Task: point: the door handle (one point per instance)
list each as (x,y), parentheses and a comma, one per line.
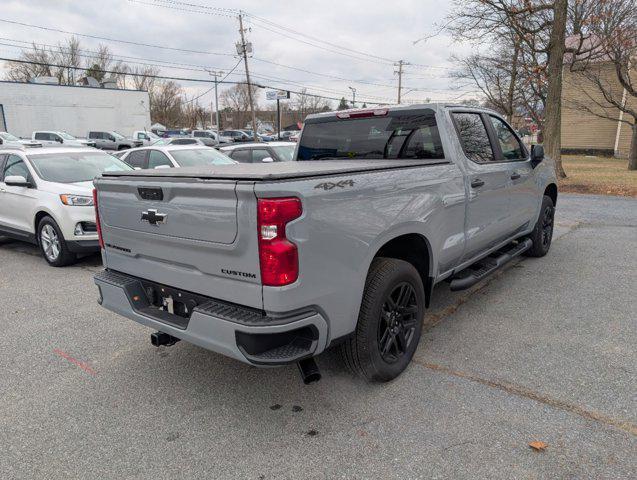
(477,183)
(515,176)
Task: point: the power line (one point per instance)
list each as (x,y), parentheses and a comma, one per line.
(216,82)
(180,79)
(209,10)
(319,40)
(227,11)
(202,69)
(183,66)
(163,47)
(113,72)
(128,42)
(114,56)
(272,30)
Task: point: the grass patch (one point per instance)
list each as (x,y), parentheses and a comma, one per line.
(599,175)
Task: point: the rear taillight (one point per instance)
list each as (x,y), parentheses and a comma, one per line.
(278,256)
(97,220)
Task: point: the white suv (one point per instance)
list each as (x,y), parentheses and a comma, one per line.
(46,198)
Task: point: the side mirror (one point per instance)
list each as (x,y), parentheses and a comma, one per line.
(59,140)
(537,155)
(17,181)
(267,160)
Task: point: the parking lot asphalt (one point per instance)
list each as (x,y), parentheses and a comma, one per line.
(545,351)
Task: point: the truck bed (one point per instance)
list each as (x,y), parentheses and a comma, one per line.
(277,170)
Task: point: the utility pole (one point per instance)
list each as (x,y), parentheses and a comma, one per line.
(216,74)
(244,51)
(353,96)
(400,65)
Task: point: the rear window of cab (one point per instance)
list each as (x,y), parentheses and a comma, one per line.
(394,135)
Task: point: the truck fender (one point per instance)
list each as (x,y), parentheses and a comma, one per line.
(407,242)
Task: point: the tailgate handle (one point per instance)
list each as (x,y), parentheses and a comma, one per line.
(151,193)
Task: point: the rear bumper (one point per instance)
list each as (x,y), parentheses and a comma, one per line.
(241,333)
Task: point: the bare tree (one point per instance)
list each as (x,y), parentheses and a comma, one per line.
(237,100)
(539,28)
(60,62)
(193,114)
(605,73)
(166,103)
(143,78)
(496,75)
(305,104)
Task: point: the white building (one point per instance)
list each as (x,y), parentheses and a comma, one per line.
(25,107)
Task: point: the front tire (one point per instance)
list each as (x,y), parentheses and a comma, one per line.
(389,322)
(542,233)
(52,244)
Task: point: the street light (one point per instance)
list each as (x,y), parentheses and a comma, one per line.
(353,96)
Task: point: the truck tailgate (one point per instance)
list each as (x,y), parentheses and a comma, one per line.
(199,235)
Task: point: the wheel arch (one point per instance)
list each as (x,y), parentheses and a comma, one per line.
(551,191)
(40,214)
(415,249)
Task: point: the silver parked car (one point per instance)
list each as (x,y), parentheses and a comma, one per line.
(173,156)
(260,152)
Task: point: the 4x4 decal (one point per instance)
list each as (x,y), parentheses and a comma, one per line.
(331,185)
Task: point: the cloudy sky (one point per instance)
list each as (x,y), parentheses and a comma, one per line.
(364,38)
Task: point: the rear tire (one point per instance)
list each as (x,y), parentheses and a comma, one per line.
(52,244)
(542,233)
(389,322)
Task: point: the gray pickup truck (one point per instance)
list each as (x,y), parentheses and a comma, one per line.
(112,140)
(273,263)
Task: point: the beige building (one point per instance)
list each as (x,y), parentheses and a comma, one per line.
(584,132)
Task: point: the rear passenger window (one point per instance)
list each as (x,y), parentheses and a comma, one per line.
(157,159)
(258,155)
(136,159)
(423,142)
(473,136)
(243,156)
(509,144)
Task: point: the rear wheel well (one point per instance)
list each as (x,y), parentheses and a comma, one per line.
(551,191)
(412,248)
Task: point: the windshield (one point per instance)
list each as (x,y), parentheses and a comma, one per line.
(402,136)
(118,136)
(9,137)
(199,157)
(161,141)
(66,136)
(285,152)
(76,166)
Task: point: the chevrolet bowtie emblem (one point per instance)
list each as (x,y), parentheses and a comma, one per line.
(152,217)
